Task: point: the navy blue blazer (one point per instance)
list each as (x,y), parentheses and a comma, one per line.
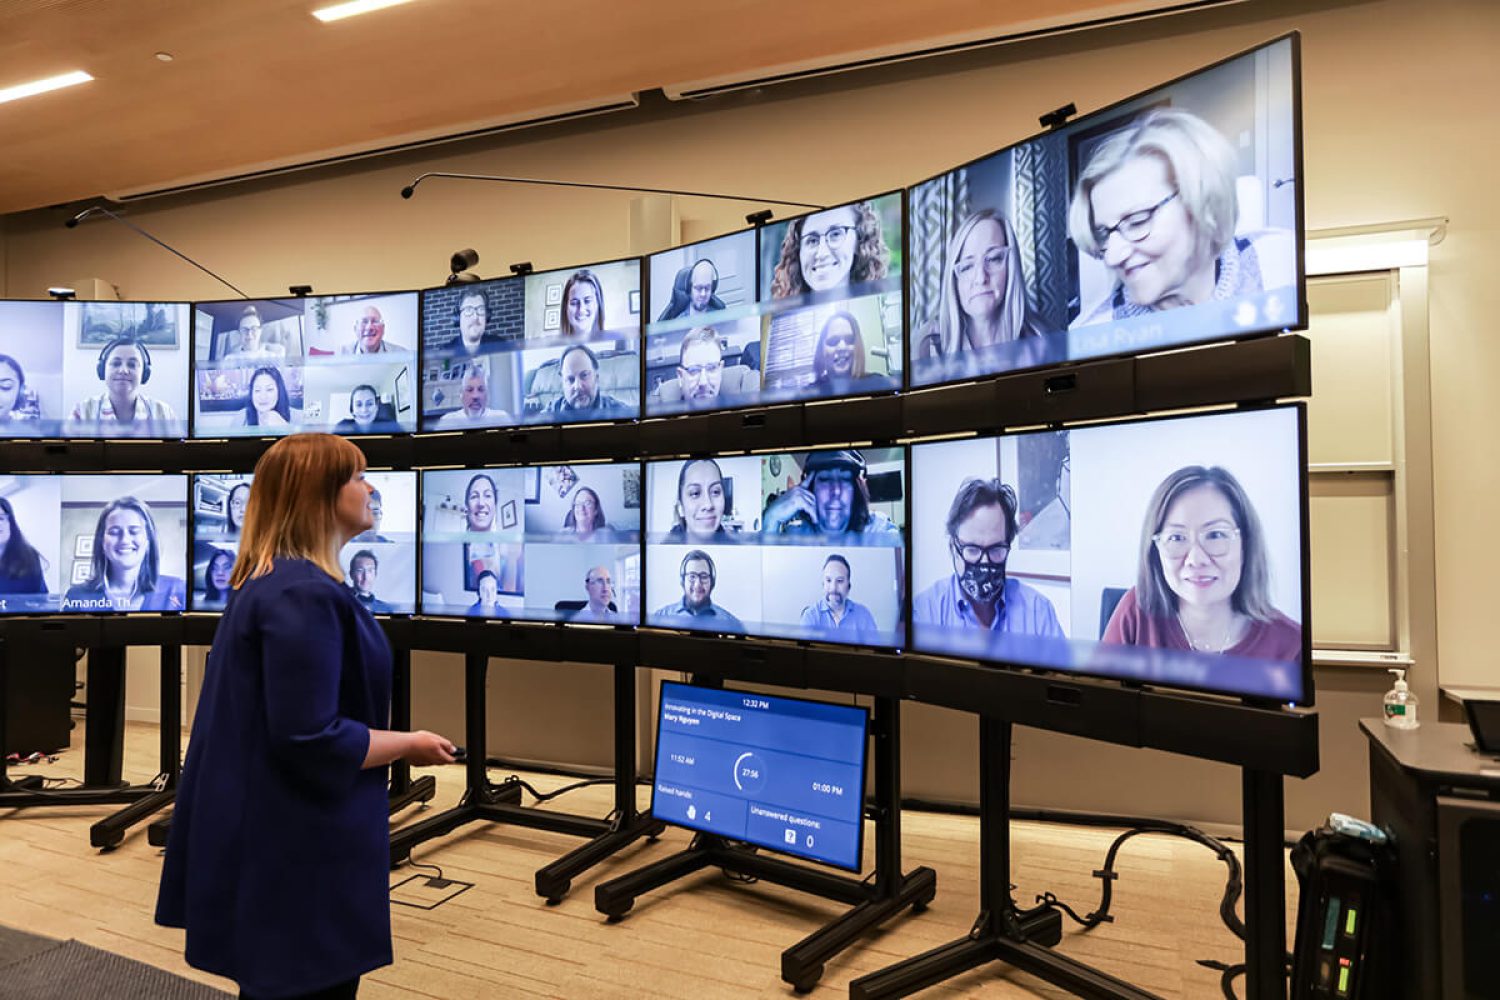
(278,858)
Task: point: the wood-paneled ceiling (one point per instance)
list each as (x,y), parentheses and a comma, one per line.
(255,84)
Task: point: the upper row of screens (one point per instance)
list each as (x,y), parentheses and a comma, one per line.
(1169,219)
(1168,550)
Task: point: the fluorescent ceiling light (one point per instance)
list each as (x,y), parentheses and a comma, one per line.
(339,11)
(42,86)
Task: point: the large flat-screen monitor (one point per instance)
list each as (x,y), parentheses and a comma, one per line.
(1171,218)
(379,565)
(805,308)
(338,363)
(1170,551)
(781,773)
(93,369)
(797,545)
(557,543)
(557,347)
(87,544)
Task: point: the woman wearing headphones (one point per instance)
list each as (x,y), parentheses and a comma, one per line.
(122,409)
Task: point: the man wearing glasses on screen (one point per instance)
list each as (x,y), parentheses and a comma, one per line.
(697,609)
(978,595)
(835,614)
(581,398)
(601,590)
(833,499)
(369,335)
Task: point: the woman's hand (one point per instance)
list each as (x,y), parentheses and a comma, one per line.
(425,748)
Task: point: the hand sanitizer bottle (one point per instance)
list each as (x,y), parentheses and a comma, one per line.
(1400,704)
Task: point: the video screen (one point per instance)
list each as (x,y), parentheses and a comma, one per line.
(379,565)
(336,363)
(1172,218)
(557,347)
(93,369)
(805,308)
(781,773)
(1165,551)
(796,545)
(84,544)
(556,543)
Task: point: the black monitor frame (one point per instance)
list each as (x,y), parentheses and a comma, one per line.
(1299,237)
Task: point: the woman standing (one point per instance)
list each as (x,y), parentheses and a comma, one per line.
(277,860)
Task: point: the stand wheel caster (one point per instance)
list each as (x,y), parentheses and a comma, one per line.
(617,912)
(809,981)
(554,900)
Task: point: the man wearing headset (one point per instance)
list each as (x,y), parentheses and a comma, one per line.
(833,500)
(122,410)
(694,292)
(698,577)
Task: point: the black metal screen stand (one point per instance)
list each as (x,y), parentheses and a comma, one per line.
(103,741)
(501,803)
(109,832)
(1003,932)
(873,902)
(404,789)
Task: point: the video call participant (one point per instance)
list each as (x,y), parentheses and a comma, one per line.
(981,523)
(369,335)
(363,568)
(377,513)
(12,393)
(579,370)
(832,499)
(698,577)
(700,367)
(983,301)
(280,843)
(583,306)
(1156,203)
(364,407)
(831,249)
(122,409)
(20,563)
(694,292)
(601,591)
(701,505)
(473,312)
(839,356)
(268,404)
(234,508)
(250,347)
(488,605)
(216,578)
(474,404)
(585,519)
(124,568)
(1204,582)
(479,503)
(836,613)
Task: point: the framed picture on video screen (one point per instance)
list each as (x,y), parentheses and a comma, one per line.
(1167,551)
(558,543)
(379,564)
(798,545)
(805,308)
(335,363)
(1171,218)
(88,544)
(93,369)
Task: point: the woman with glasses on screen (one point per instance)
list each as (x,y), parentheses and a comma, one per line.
(1157,205)
(216,578)
(701,505)
(831,249)
(1204,583)
(583,306)
(125,566)
(234,509)
(21,564)
(983,302)
(268,403)
(585,520)
(280,846)
(839,355)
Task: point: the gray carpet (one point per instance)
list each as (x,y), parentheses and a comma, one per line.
(16,945)
(68,970)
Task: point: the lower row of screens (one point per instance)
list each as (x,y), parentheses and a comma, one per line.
(1167,550)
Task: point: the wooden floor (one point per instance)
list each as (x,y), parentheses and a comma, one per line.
(701,938)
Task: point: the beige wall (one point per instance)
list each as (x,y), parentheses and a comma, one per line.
(1396,127)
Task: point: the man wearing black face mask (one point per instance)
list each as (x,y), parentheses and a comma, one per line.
(981,524)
